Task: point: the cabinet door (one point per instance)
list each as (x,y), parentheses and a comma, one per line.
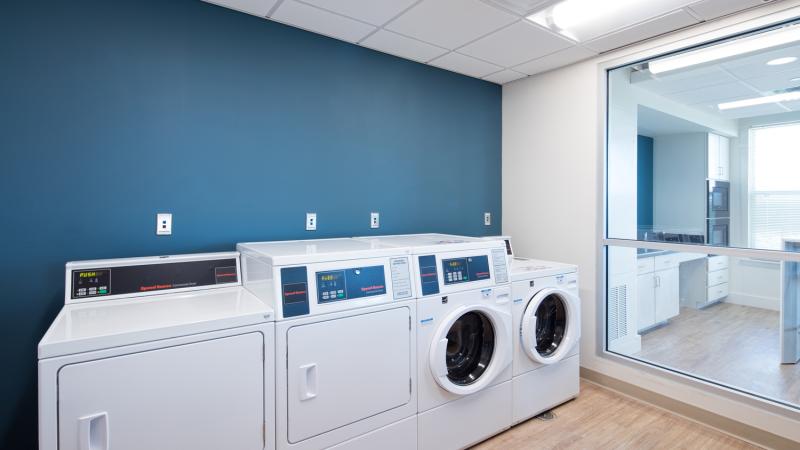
(667,297)
(207,395)
(724,158)
(713,156)
(645,293)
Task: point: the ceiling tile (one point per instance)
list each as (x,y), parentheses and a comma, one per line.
(376,12)
(516,44)
(654,27)
(466,65)
(450,23)
(318,21)
(776,81)
(558,59)
(711,9)
(752,111)
(714,94)
(521,7)
(504,76)
(255,7)
(404,47)
(753,66)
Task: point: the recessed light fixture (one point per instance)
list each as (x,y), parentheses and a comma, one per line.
(782,97)
(582,20)
(781,61)
(742,46)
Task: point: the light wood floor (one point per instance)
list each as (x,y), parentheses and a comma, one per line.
(603,419)
(733,344)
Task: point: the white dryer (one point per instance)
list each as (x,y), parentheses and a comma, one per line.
(158,353)
(547,327)
(463,337)
(345,344)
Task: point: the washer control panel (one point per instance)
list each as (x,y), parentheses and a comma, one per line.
(346,284)
(466,269)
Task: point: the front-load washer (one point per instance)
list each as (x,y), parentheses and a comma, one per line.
(463,338)
(158,353)
(345,345)
(547,327)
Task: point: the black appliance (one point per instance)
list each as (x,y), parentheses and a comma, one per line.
(718,213)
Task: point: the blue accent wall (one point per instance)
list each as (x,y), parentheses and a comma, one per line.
(644,202)
(112,111)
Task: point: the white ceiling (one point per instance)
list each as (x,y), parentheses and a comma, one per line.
(652,123)
(488,39)
(705,87)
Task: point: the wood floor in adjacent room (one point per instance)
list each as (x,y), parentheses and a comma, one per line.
(603,419)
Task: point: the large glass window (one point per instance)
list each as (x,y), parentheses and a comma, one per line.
(703,213)
(774,184)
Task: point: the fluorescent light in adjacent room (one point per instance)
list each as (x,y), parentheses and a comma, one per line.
(783,97)
(781,61)
(742,46)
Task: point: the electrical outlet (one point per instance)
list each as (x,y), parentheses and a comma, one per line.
(311,221)
(163,224)
(374,220)
(487,219)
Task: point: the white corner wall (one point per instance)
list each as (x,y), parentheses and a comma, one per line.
(552,155)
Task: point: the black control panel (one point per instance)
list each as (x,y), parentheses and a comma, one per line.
(104,281)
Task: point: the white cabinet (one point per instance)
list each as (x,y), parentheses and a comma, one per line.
(719,157)
(658,290)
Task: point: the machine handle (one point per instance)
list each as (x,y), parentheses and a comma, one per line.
(308,381)
(93,432)
(441,363)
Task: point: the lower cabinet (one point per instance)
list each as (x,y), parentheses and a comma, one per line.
(658,294)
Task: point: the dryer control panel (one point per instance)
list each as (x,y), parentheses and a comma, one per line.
(461,270)
(324,287)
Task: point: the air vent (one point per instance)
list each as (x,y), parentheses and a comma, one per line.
(617,312)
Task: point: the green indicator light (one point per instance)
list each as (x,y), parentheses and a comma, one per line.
(103,291)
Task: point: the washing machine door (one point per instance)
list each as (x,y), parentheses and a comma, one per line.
(550,325)
(470,348)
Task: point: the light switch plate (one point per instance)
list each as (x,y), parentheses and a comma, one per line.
(163,224)
(374,220)
(311,221)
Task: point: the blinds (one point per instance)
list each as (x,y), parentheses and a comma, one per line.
(773,216)
(774,185)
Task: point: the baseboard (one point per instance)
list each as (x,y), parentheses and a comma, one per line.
(755,301)
(732,427)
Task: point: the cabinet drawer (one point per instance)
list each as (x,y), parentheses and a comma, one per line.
(717,263)
(717,277)
(645,265)
(717,292)
(664,262)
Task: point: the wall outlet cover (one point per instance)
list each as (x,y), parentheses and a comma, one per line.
(487,219)
(374,220)
(163,224)
(311,221)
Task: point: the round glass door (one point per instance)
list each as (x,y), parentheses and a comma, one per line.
(470,346)
(551,324)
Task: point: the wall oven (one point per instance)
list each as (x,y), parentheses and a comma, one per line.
(718,199)
(718,231)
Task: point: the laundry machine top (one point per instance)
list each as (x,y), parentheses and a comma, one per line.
(115,302)
(321,276)
(529,269)
(446,263)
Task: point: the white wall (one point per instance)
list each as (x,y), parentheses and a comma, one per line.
(552,150)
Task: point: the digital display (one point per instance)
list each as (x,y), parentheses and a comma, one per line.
(463,270)
(98,282)
(347,284)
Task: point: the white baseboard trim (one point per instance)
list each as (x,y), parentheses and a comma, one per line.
(754,301)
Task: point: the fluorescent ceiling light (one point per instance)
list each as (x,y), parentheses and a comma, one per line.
(781,61)
(583,20)
(783,97)
(763,41)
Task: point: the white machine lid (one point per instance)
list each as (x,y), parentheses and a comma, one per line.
(84,327)
(431,242)
(527,269)
(281,253)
